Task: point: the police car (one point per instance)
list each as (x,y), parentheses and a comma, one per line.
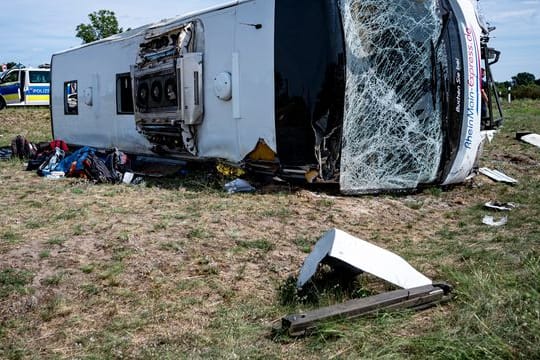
(23,87)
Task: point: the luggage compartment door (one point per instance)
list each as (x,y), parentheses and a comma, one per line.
(190,71)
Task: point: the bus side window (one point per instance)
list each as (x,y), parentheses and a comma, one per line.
(124,94)
(71,106)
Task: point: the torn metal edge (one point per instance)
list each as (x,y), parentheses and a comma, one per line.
(529,138)
(497,175)
(361,255)
(495,205)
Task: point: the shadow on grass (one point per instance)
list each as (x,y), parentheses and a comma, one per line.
(203,177)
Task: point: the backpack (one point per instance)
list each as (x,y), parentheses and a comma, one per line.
(22,148)
(96,170)
(37,161)
(115,161)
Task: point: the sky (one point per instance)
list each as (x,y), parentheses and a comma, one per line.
(32,30)
(516,35)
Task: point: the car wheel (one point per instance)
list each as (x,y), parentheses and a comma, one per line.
(2,103)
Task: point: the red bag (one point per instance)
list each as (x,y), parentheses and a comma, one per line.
(59,144)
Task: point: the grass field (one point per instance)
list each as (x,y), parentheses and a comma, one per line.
(176,268)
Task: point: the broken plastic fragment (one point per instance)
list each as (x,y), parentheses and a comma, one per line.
(495,205)
(497,176)
(489,220)
(128,177)
(488,135)
(262,152)
(363,256)
(533,139)
(227,170)
(138,180)
(238,185)
(55,175)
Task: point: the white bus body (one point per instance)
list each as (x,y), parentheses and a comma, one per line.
(330,90)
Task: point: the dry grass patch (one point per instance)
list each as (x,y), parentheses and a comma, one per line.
(176,268)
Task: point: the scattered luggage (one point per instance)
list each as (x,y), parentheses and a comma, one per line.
(54,160)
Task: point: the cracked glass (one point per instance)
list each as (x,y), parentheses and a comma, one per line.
(392,128)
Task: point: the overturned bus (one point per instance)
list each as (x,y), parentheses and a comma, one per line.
(376,95)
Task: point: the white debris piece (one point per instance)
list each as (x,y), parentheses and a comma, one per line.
(238,185)
(495,205)
(55,175)
(489,220)
(128,177)
(364,256)
(497,175)
(533,139)
(488,135)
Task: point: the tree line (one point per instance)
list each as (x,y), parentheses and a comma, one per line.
(523,86)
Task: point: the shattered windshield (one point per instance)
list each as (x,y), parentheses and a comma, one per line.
(392,128)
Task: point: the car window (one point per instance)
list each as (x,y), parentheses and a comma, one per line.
(11,77)
(40,76)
